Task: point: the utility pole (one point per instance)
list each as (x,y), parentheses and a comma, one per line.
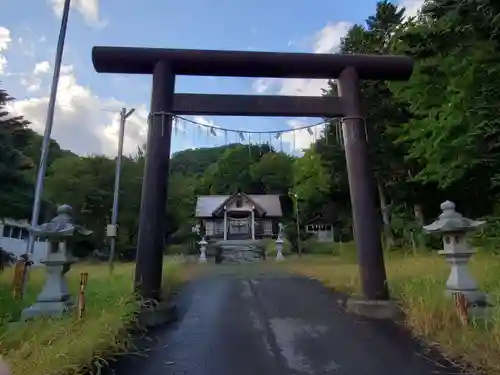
(112,231)
(295,200)
(299,246)
(48,126)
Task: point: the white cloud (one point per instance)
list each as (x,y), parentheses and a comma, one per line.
(303,87)
(412,7)
(208,129)
(32,84)
(88,8)
(203,120)
(328,39)
(80,122)
(3,64)
(263,85)
(27,47)
(290,86)
(33,81)
(5,40)
(302,139)
(42,67)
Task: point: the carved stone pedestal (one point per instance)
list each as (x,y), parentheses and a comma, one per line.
(279,249)
(460,280)
(54,299)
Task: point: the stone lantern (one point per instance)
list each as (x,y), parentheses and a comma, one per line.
(280,242)
(203,243)
(55,299)
(453,228)
(203,250)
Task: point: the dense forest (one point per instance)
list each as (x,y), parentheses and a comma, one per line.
(432,138)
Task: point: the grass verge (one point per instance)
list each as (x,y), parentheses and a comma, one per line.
(67,346)
(418,282)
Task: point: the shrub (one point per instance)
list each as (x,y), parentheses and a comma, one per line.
(313,246)
(6,259)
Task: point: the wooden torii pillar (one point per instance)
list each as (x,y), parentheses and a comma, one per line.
(165,64)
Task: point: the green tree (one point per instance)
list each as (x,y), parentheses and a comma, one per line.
(233,171)
(180,204)
(312,182)
(15,185)
(382,112)
(87,185)
(454,135)
(274,170)
(130,198)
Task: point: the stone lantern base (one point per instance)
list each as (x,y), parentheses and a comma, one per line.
(279,249)
(47,309)
(376,309)
(54,299)
(203,251)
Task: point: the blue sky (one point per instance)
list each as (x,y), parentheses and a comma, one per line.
(86,117)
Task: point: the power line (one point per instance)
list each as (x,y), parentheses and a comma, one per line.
(228,130)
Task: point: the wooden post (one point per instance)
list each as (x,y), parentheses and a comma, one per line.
(253,223)
(225,223)
(461,306)
(20,273)
(152,225)
(362,190)
(81,295)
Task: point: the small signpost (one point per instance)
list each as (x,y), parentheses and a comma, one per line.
(20,275)
(462,307)
(84,277)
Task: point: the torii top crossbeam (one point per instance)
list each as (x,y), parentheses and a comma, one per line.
(135,60)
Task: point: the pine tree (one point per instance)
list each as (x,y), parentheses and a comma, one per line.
(15,185)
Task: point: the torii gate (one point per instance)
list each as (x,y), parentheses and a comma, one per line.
(165,64)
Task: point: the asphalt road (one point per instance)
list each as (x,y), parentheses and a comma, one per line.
(263,325)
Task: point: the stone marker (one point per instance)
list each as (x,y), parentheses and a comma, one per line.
(453,228)
(55,299)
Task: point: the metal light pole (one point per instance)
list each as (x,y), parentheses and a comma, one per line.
(112,231)
(299,247)
(48,126)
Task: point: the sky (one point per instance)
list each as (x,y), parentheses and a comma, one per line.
(88,104)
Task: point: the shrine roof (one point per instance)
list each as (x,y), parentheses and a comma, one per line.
(319,220)
(207,204)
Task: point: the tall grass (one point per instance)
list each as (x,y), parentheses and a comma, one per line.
(67,346)
(418,282)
